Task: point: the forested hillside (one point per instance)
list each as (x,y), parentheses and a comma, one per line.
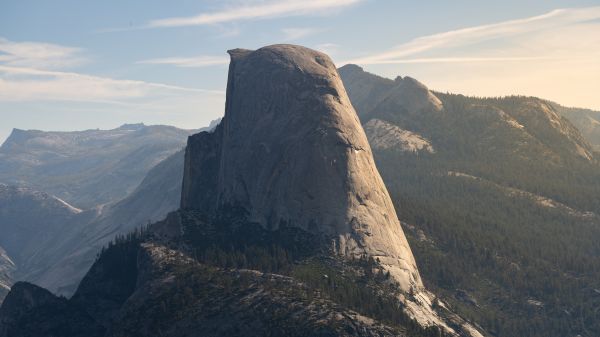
(502,216)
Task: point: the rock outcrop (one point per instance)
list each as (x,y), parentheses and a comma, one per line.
(254,304)
(173,295)
(384,136)
(291,152)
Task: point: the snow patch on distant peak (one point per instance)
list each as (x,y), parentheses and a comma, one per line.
(383,135)
(5,257)
(68,206)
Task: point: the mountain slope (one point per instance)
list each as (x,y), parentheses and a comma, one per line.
(157,195)
(188,298)
(502,216)
(29,218)
(32,223)
(493,138)
(586,120)
(327,258)
(87,168)
(64,245)
(53,244)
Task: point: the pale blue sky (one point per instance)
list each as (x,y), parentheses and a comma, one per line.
(71,65)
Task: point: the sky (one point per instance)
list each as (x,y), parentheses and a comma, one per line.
(73,65)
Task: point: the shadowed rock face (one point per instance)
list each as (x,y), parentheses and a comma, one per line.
(291,151)
(32,311)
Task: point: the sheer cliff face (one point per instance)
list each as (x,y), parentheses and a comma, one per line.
(291,151)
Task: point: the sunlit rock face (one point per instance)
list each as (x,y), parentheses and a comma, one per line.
(291,151)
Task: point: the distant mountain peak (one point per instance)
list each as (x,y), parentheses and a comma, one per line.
(351,68)
(16,136)
(401,95)
(131,127)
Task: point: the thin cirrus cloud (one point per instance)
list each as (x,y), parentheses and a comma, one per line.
(189,62)
(453,41)
(26,84)
(29,71)
(290,34)
(39,55)
(460,59)
(266,10)
(554,55)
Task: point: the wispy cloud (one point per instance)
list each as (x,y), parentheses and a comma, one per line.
(39,55)
(26,84)
(291,34)
(554,56)
(189,62)
(462,38)
(263,10)
(462,59)
(33,71)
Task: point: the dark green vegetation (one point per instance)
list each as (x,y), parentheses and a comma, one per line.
(502,217)
(232,242)
(30,311)
(505,258)
(508,263)
(250,285)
